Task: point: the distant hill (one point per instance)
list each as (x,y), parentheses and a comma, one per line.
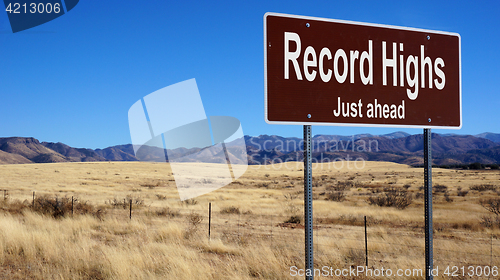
(117,153)
(495,137)
(30,149)
(8,158)
(490,153)
(400,147)
(73,154)
(446,150)
(395,135)
(440,144)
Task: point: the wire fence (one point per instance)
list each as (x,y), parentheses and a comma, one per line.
(374,244)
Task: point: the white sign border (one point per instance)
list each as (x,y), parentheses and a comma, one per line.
(363,24)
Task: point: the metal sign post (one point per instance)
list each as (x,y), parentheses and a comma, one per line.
(428,203)
(308,207)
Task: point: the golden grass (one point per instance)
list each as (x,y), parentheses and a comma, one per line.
(162,241)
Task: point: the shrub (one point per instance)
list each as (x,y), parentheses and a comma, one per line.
(447,197)
(483,187)
(82,207)
(264,185)
(167,212)
(194,220)
(338,196)
(350,220)
(125,203)
(295,219)
(190,201)
(342,186)
(230,210)
(490,222)
(14,206)
(60,207)
(99,214)
(354,257)
(492,205)
(290,206)
(51,206)
(440,188)
(345,185)
(137,201)
(462,193)
(392,197)
(116,203)
(161,196)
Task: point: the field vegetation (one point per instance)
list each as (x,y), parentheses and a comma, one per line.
(78,225)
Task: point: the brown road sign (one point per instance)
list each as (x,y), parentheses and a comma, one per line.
(331,72)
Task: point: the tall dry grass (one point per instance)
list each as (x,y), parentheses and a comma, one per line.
(39,247)
(165,239)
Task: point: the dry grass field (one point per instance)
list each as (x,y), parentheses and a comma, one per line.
(256,230)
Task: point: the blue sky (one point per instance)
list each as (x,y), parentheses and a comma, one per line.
(73,79)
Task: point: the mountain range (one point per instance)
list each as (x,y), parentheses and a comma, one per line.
(400,147)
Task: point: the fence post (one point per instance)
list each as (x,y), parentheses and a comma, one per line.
(491,253)
(366,245)
(131,209)
(4,194)
(271,231)
(33,204)
(209,218)
(72,204)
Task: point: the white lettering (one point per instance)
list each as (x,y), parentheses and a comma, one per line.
(310,63)
(313,62)
(325,77)
(340,53)
(368,56)
(292,56)
(389,63)
(412,82)
(439,62)
(423,62)
(401,67)
(354,56)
